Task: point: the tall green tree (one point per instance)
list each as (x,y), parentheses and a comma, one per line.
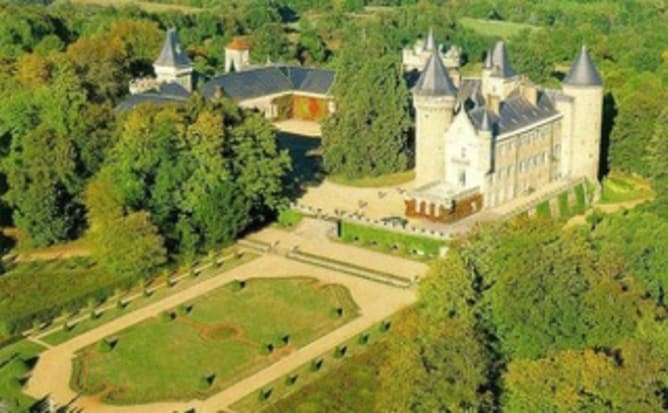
(368,134)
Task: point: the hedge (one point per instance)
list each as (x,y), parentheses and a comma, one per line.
(580,201)
(351,232)
(289,218)
(36,292)
(564,210)
(543,209)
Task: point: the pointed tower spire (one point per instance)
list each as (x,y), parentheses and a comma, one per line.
(172,55)
(429,43)
(434,79)
(485,124)
(583,71)
(488,60)
(501,62)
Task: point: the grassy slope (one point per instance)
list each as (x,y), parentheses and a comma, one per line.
(225,335)
(494,28)
(148,6)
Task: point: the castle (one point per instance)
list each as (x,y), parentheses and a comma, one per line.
(483,141)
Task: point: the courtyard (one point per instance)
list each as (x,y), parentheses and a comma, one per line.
(217,339)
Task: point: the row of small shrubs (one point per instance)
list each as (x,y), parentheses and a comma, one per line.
(391,240)
(317,364)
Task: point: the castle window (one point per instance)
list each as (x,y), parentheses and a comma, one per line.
(463,152)
(462,178)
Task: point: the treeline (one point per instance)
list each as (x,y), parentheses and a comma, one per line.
(151,184)
(529,317)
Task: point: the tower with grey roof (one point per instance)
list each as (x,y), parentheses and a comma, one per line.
(173,64)
(434,101)
(582,139)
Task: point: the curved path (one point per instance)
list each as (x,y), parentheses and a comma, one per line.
(52,373)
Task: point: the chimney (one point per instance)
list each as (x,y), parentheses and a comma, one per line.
(455,76)
(494,103)
(529,91)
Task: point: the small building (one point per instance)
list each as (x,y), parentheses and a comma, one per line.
(278,91)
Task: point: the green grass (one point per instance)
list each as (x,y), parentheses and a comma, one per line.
(494,28)
(621,188)
(389,240)
(580,199)
(543,209)
(374,181)
(16,361)
(342,384)
(225,335)
(149,6)
(61,335)
(40,290)
(562,201)
(289,218)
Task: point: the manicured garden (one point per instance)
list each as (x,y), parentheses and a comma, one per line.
(201,347)
(389,241)
(16,361)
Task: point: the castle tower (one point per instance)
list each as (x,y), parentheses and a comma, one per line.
(430,43)
(173,64)
(434,102)
(237,55)
(583,83)
(499,78)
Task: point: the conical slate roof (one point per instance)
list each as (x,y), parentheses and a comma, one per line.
(485,124)
(488,60)
(434,79)
(172,55)
(429,43)
(583,72)
(501,62)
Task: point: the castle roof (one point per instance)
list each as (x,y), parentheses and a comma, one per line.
(430,43)
(172,55)
(515,112)
(268,80)
(238,43)
(583,72)
(501,62)
(434,79)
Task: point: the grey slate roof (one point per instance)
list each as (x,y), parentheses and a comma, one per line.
(151,97)
(501,62)
(583,71)
(434,79)
(515,113)
(172,55)
(263,81)
(470,90)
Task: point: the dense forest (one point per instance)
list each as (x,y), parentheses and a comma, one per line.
(523,316)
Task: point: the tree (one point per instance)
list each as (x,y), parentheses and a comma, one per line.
(368,134)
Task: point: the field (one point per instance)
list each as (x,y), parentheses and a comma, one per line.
(217,339)
(494,28)
(16,361)
(149,6)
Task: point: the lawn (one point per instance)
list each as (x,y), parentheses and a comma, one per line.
(16,361)
(111,310)
(494,28)
(375,181)
(224,337)
(389,241)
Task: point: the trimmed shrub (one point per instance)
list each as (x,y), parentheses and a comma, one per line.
(388,240)
(289,218)
(385,325)
(317,364)
(104,346)
(265,394)
(291,379)
(364,338)
(340,351)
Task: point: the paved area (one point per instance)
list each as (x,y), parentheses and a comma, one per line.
(376,301)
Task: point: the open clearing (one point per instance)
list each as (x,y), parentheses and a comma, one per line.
(494,28)
(222,338)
